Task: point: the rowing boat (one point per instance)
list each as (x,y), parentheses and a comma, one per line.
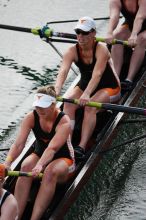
(101,139)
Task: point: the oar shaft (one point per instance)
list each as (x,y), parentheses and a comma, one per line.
(107,106)
(75,20)
(64,35)
(126,109)
(50,33)
(61,40)
(14,28)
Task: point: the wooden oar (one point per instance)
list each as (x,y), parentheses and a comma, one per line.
(107,106)
(4,172)
(48,33)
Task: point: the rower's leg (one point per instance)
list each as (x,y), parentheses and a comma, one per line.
(56,172)
(23,184)
(137,56)
(117,51)
(89,121)
(69,108)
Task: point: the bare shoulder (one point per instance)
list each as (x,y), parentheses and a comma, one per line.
(65,119)
(11,200)
(64,123)
(70,52)
(71,49)
(10,208)
(29,119)
(102,48)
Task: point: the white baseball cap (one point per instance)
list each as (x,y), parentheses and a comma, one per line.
(86,24)
(43,100)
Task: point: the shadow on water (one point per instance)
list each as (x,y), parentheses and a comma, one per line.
(4,3)
(20,94)
(48,75)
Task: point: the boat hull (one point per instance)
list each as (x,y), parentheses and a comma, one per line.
(106,129)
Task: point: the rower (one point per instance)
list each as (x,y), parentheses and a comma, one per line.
(133,29)
(8,204)
(53,153)
(99,81)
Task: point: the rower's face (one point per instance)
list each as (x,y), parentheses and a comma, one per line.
(45,112)
(85,38)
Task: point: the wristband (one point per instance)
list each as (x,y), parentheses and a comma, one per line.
(9,159)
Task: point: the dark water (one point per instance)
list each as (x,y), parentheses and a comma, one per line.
(117,188)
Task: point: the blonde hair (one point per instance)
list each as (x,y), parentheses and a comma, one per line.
(48,90)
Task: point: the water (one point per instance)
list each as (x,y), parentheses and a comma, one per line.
(117,188)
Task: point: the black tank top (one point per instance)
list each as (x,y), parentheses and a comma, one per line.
(130,17)
(6,194)
(39,133)
(43,138)
(108,79)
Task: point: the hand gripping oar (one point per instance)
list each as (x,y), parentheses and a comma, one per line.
(49,33)
(4,172)
(107,106)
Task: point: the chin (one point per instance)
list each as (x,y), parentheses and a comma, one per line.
(82,43)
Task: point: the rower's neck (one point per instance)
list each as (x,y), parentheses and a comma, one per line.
(88,46)
(53,116)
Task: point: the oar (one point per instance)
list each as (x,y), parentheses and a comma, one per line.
(4,172)
(107,106)
(36,31)
(124,143)
(48,33)
(75,20)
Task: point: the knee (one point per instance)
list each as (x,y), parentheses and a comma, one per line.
(141,41)
(68,107)
(26,167)
(50,174)
(88,111)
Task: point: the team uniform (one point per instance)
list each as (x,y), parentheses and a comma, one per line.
(43,138)
(3,198)
(130,17)
(108,81)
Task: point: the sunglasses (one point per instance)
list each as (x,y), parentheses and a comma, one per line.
(78,31)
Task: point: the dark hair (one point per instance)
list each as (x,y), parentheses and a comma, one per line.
(48,90)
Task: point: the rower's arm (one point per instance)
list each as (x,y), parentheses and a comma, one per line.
(114,8)
(20,141)
(103,56)
(68,58)
(140,17)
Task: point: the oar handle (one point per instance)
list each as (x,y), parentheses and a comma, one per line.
(20,173)
(5,172)
(114,41)
(76,101)
(107,106)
